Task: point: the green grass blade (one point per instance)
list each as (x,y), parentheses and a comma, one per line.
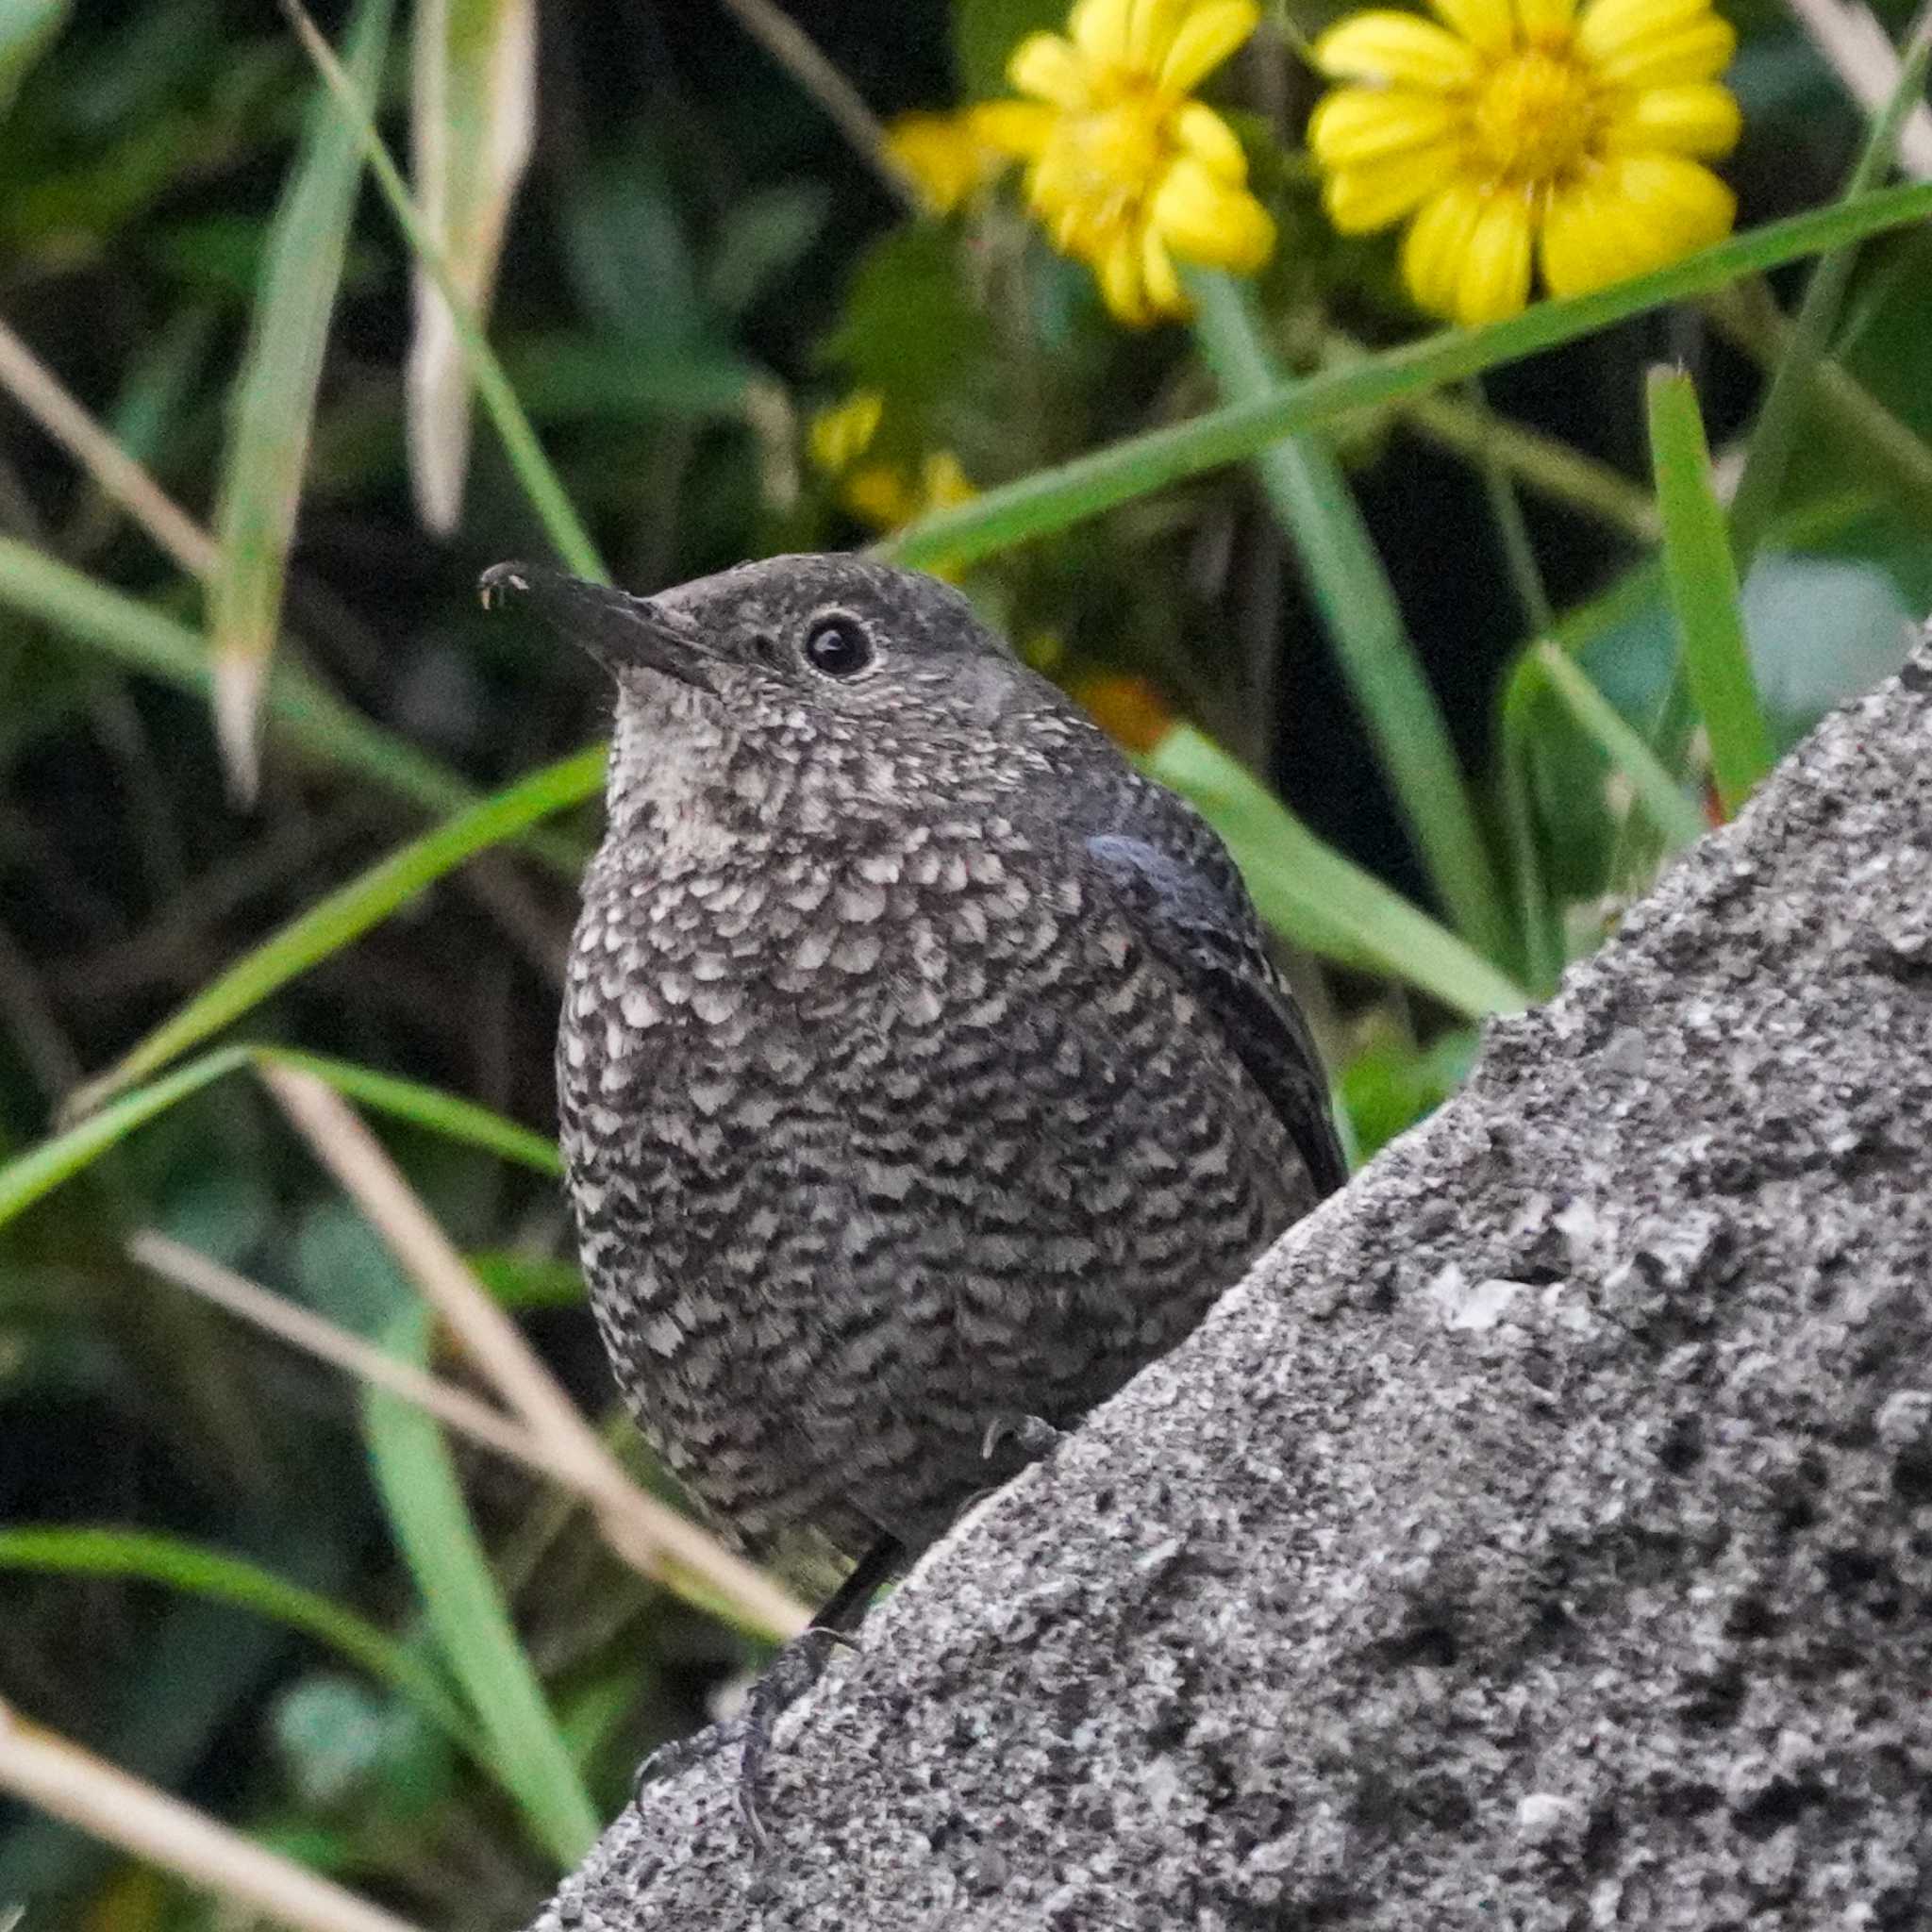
(28,29)
(1311,894)
(179,1564)
(1792,390)
(1674,814)
(1704,591)
(532,467)
(466,1611)
(274,406)
(430,1108)
(136,635)
(1053,500)
(349,912)
(1537,918)
(1317,510)
(528,1281)
(42,1169)
(474,112)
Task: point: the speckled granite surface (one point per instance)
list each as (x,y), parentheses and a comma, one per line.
(1540,1537)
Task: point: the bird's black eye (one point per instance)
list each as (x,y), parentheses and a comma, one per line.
(838,645)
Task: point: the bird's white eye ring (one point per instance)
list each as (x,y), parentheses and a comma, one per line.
(838,645)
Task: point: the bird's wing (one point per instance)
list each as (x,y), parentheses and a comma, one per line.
(1173,879)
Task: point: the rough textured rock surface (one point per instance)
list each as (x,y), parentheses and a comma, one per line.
(1540,1537)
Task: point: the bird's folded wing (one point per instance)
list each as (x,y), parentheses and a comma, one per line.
(1174,883)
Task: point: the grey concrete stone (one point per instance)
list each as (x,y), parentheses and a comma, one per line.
(1540,1537)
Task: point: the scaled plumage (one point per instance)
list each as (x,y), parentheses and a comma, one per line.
(921,1067)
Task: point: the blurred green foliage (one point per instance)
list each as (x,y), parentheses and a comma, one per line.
(385,1653)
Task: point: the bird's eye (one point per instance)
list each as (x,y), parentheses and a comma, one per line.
(839,646)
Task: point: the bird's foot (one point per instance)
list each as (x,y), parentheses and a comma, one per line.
(674,1759)
(1032,1435)
(792,1672)
(796,1668)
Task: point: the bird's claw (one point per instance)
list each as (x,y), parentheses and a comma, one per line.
(796,1668)
(1032,1435)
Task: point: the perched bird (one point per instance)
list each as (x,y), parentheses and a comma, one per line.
(922,1072)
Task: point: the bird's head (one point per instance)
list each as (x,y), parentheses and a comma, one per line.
(835,638)
(797,662)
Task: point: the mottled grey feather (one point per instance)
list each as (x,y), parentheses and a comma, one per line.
(921,1065)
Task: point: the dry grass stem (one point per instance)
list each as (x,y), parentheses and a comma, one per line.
(638,1527)
(799,55)
(1860,53)
(42,395)
(84,1791)
(301,1328)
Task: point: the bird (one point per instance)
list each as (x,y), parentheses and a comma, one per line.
(923,1070)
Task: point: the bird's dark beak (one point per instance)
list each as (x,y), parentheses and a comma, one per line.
(621,631)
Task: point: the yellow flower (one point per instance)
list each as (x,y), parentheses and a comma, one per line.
(949,157)
(1126,170)
(1527,132)
(881,488)
(841,434)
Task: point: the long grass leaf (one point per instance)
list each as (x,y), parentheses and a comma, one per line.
(349,912)
(1053,500)
(274,406)
(1311,894)
(474,112)
(1792,390)
(1704,591)
(1317,511)
(526,454)
(28,29)
(430,1108)
(466,1611)
(315,722)
(180,1564)
(1537,918)
(40,1168)
(45,1167)
(1674,814)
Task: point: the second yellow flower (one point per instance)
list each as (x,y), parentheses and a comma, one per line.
(1527,135)
(1125,170)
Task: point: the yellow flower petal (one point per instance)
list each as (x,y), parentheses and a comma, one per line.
(1700,51)
(1212,30)
(1050,68)
(1698,118)
(1606,29)
(1545,22)
(1163,282)
(944,482)
(1437,245)
(1487,26)
(1151,27)
(1396,49)
(1582,245)
(1099,29)
(1679,205)
(1360,200)
(943,156)
(1205,136)
(841,434)
(1355,124)
(1495,267)
(879,495)
(1121,284)
(1206,220)
(1015,127)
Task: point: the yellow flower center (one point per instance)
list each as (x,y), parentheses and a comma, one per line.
(1534,117)
(1101,165)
